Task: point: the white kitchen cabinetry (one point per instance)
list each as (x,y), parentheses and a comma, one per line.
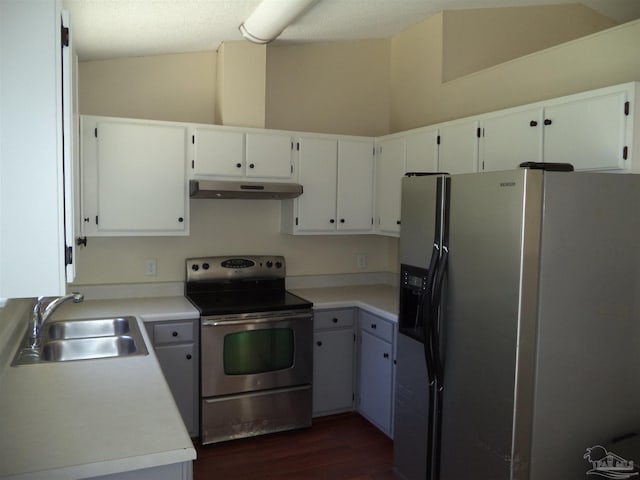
(390,167)
(235,154)
(134,181)
(422,150)
(458,151)
(511,138)
(376,371)
(337,177)
(589,133)
(333,365)
(176,346)
(35,168)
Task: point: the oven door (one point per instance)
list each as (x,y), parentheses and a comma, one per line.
(259,351)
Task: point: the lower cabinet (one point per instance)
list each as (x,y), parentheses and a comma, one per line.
(175,343)
(376,371)
(333,354)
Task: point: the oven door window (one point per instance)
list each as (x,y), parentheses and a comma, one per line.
(258,351)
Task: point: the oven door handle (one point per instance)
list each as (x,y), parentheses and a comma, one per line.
(217,322)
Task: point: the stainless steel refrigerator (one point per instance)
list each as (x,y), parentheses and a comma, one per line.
(519,326)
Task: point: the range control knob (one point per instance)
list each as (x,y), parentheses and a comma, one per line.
(205,266)
(195,267)
(269,264)
(278,264)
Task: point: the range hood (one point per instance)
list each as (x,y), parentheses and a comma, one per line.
(237,189)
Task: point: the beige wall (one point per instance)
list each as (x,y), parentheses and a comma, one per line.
(419,98)
(240,86)
(164,87)
(477,39)
(329,88)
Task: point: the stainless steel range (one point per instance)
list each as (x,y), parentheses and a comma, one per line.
(256,348)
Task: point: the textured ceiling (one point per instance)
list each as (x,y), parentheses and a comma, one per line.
(123,28)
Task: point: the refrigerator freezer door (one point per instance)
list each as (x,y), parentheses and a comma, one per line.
(419,206)
(489,244)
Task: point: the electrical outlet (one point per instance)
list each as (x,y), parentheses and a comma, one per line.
(361,261)
(151,266)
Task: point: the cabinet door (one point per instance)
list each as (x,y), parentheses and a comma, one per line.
(140,186)
(588,133)
(511,139)
(389,172)
(269,156)
(317,173)
(332,371)
(374,401)
(219,153)
(422,151)
(179,368)
(458,151)
(355,185)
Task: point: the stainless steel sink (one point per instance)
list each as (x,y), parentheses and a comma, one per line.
(100,327)
(88,348)
(86,339)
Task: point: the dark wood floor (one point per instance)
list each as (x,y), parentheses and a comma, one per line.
(338,447)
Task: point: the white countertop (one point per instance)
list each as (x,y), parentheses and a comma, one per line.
(381,300)
(93,417)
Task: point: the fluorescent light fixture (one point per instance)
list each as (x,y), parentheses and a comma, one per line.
(270,18)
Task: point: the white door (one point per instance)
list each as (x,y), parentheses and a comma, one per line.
(458,152)
(389,172)
(317,172)
(218,153)
(422,151)
(375,380)
(332,371)
(588,133)
(511,139)
(140,178)
(355,185)
(269,156)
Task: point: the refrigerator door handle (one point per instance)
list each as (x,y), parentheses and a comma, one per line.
(427,317)
(434,335)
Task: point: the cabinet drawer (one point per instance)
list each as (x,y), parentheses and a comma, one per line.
(376,326)
(344,317)
(173,332)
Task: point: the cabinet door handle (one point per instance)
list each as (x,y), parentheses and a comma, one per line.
(332,221)
(548,121)
(385,355)
(180,219)
(533,123)
(374,326)
(174,334)
(251,165)
(319,343)
(397,222)
(188,356)
(238,165)
(335,320)
(342,220)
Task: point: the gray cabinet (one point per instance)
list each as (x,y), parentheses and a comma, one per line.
(176,347)
(333,354)
(376,371)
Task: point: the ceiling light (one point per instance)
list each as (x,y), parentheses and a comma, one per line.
(270,18)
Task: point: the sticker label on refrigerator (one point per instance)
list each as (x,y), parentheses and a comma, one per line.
(607,464)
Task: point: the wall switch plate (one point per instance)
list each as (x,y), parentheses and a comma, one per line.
(151,266)
(361,261)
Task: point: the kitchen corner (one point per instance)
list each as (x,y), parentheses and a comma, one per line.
(89,418)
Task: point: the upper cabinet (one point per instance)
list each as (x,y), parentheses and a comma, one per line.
(422,150)
(337,177)
(35,152)
(230,153)
(390,167)
(458,152)
(133,177)
(589,132)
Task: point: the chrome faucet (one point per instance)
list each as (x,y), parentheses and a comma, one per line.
(42,311)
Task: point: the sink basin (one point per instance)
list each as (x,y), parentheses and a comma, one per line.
(86,339)
(101,327)
(88,348)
